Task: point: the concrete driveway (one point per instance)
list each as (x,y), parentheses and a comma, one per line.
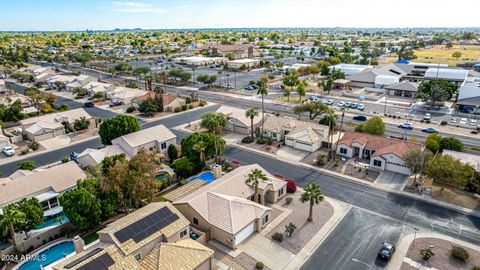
(265,250)
(57,142)
(391,180)
(289,153)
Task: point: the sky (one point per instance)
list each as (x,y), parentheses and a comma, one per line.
(20,15)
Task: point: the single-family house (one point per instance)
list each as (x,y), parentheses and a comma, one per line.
(154,237)
(237,121)
(52,125)
(44,184)
(383,153)
(226,209)
(79,81)
(234,51)
(302,135)
(95,87)
(156,139)
(126,95)
(402,89)
(59,81)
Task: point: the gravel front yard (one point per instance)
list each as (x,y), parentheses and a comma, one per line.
(442,259)
(305,229)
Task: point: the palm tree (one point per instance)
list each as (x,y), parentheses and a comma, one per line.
(11,215)
(200,147)
(262,90)
(329,119)
(251,113)
(159,97)
(148,81)
(254,178)
(314,195)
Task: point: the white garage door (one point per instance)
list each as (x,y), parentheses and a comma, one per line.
(244,234)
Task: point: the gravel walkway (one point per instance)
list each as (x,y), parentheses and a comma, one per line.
(305,229)
(442,259)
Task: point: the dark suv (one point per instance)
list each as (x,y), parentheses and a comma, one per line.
(386,252)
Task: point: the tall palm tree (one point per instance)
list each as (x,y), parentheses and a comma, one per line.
(313,195)
(262,90)
(200,147)
(254,178)
(329,119)
(251,113)
(11,215)
(343,109)
(148,81)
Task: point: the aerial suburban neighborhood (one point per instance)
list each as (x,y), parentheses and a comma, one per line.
(175,135)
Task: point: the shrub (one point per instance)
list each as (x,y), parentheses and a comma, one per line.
(259,265)
(184,107)
(247,139)
(291,186)
(65,160)
(202,103)
(289,200)
(131,109)
(268,141)
(476,268)
(443,123)
(177,109)
(34,145)
(277,237)
(190,106)
(460,253)
(427,253)
(172,152)
(24,152)
(261,141)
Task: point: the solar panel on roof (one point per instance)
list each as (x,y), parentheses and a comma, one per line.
(147,226)
(100,263)
(82,258)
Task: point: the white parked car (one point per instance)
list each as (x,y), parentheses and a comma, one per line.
(473,122)
(463,121)
(453,120)
(427,117)
(8,151)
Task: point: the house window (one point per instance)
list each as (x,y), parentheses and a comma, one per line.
(274,135)
(343,151)
(265,220)
(182,234)
(138,256)
(377,163)
(195,221)
(280,192)
(164,145)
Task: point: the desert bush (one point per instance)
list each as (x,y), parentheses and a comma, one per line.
(460,253)
(277,237)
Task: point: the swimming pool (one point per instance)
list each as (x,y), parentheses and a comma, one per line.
(205,176)
(49,256)
(53,221)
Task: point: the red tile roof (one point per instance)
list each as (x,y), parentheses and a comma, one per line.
(380,145)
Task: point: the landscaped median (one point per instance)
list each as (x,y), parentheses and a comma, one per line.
(434,251)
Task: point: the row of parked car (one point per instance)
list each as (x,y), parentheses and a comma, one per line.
(348,104)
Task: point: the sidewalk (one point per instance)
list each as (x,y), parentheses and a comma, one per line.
(405,242)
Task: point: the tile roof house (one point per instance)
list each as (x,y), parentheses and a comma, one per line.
(157,138)
(51,125)
(155,237)
(237,122)
(234,51)
(126,95)
(79,81)
(302,135)
(44,184)
(383,153)
(226,208)
(402,89)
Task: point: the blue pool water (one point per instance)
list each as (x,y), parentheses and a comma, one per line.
(52,221)
(49,256)
(205,176)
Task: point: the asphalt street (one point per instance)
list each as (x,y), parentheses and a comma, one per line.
(358,236)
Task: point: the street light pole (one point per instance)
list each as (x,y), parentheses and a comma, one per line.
(364,263)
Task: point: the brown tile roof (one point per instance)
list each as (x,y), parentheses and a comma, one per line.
(380,145)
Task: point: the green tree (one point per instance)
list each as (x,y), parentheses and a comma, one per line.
(148,107)
(298,110)
(33,211)
(26,165)
(286,93)
(262,91)
(251,113)
(301,90)
(456,55)
(416,160)
(207,79)
(291,80)
(315,109)
(329,119)
(81,208)
(214,122)
(81,124)
(172,152)
(374,126)
(312,195)
(436,90)
(446,170)
(13,113)
(451,143)
(118,126)
(432,142)
(11,216)
(184,168)
(254,178)
(200,147)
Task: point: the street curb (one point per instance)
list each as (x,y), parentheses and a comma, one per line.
(452,207)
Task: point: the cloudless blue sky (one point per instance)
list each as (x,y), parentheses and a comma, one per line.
(161,14)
